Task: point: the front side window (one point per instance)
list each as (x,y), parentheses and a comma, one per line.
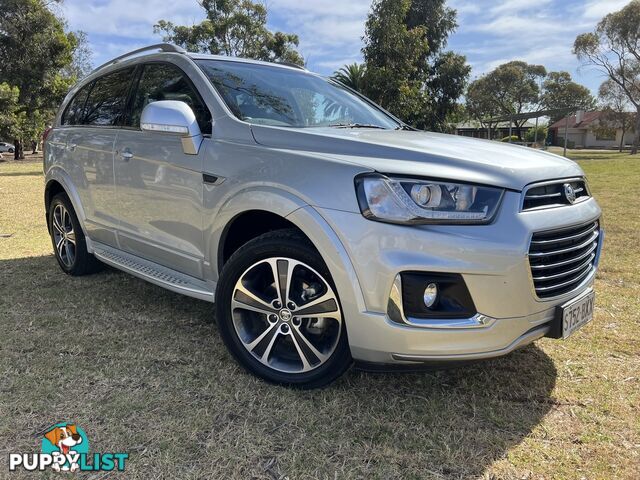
(74,113)
(163,81)
(106,102)
(270,95)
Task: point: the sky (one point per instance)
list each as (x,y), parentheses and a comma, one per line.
(489,33)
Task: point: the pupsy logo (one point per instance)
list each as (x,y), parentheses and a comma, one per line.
(65,448)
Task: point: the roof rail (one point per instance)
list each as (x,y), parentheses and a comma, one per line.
(165,47)
(291,64)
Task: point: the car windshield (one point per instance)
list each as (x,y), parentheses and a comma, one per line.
(270,95)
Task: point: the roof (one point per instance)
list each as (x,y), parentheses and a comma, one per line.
(174,49)
(587,119)
(474,125)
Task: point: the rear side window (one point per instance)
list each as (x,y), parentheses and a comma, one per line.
(74,113)
(107,99)
(163,81)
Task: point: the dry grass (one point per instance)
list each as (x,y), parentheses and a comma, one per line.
(143,371)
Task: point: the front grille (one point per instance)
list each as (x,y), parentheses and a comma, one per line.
(553,194)
(561,259)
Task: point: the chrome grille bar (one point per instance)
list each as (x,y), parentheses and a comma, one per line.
(562,259)
(552,194)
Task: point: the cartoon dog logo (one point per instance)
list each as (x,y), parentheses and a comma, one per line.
(65,438)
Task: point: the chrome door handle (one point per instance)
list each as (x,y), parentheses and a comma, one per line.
(126,155)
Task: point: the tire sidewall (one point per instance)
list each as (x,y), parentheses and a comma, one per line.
(261,248)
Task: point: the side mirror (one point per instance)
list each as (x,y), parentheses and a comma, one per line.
(174,118)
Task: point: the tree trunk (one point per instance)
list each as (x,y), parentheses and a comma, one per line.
(19,150)
(636,135)
(624,130)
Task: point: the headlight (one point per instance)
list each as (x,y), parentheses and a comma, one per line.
(409,201)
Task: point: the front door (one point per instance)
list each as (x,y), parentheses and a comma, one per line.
(159,188)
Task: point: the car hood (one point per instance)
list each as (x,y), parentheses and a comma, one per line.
(424,154)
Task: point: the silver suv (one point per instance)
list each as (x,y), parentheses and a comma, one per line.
(325,230)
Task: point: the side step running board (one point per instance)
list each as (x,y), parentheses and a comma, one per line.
(154,273)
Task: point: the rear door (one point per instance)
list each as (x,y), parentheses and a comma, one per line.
(90,147)
(160,187)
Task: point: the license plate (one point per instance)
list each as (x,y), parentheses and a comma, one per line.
(577,313)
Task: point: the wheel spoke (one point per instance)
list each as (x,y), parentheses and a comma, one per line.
(71,237)
(281,269)
(323,305)
(56,224)
(267,351)
(70,252)
(245,306)
(59,245)
(303,358)
(270,330)
(63,218)
(244,295)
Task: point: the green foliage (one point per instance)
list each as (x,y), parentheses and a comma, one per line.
(514,138)
(406,70)
(542,134)
(8,111)
(235,28)
(353,76)
(512,88)
(559,92)
(615,104)
(36,55)
(614,48)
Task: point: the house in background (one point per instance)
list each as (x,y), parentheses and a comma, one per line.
(475,129)
(584,130)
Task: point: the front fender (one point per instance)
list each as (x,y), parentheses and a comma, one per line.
(309,221)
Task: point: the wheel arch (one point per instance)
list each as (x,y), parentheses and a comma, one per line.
(292,212)
(246,226)
(57,181)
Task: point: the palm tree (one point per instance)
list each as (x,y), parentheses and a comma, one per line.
(352,76)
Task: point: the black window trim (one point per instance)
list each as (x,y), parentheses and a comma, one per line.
(91,84)
(134,90)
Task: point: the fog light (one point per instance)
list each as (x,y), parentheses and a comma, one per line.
(430,295)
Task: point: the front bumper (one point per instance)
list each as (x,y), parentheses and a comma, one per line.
(493,261)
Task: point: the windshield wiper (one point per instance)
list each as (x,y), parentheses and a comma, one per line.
(356,125)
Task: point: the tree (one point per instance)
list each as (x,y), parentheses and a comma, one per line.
(407,70)
(614,48)
(510,89)
(353,76)
(481,106)
(540,136)
(82,61)
(235,28)
(560,92)
(8,110)
(616,106)
(34,50)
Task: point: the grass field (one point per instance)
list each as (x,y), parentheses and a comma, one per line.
(144,371)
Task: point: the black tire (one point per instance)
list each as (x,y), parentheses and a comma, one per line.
(282,243)
(82,262)
(11,150)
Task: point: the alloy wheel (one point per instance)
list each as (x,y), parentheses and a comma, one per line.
(286,315)
(64,236)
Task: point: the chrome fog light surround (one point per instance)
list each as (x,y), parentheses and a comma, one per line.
(395,312)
